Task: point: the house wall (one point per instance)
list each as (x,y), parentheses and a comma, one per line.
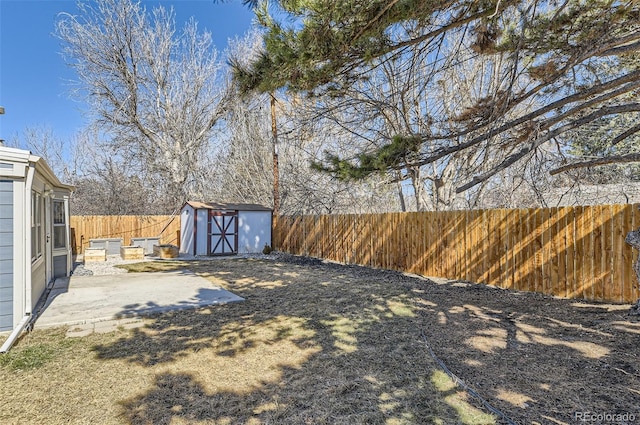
(254,231)
(23,280)
(202,230)
(21,241)
(38,282)
(6,255)
(39,266)
(186,230)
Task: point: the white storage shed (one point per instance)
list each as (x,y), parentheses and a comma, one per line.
(35,243)
(224,228)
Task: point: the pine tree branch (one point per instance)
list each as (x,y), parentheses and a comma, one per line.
(631,77)
(512,159)
(626,48)
(374,20)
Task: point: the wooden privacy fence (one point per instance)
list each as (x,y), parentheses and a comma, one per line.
(84,227)
(571,252)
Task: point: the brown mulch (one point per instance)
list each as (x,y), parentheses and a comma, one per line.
(535,358)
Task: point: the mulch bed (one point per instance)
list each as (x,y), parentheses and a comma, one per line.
(535,358)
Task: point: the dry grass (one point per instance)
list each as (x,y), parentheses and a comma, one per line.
(328,344)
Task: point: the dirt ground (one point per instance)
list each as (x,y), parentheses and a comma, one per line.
(534,358)
(318,342)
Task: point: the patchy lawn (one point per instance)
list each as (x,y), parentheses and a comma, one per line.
(318,343)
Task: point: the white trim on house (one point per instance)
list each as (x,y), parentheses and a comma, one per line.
(32,184)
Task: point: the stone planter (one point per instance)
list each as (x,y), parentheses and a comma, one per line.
(110,245)
(165,251)
(93,255)
(146,243)
(132,252)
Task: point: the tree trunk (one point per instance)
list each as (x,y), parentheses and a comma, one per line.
(403,205)
(276,172)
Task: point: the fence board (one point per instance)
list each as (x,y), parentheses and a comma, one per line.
(627,256)
(502,232)
(599,268)
(635,218)
(468,251)
(85,228)
(522,234)
(460,245)
(607,247)
(588,264)
(552,251)
(492,253)
(579,251)
(562,252)
(478,239)
(537,254)
(574,252)
(392,244)
(545,252)
(521,237)
(530,249)
(505,229)
(618,247)
(447,245)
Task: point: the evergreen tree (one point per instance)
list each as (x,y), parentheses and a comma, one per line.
(553,51)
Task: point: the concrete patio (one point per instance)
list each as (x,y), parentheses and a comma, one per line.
(122,299)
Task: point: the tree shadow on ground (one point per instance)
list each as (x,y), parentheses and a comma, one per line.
(540,359)
(326,343)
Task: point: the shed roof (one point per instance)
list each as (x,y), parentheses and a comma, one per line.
(226,206)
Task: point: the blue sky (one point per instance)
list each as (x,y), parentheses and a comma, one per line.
(34,80)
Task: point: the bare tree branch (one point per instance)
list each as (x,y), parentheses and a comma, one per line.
(156,93)
(615,159)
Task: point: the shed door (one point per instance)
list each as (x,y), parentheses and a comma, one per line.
(223,232)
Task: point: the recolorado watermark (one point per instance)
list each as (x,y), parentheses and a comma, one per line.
(604,417)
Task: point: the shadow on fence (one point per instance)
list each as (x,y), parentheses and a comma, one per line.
(571,252)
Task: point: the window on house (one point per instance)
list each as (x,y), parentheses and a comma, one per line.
(59,225)
(36,226)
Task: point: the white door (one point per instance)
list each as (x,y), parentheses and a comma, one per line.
(48,235)
(223,233)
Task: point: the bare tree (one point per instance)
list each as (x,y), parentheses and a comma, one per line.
(245,164)
(103,182)
(43,142)
(246,168)
(552,51)
(413,95)
(303,138)
(157,93)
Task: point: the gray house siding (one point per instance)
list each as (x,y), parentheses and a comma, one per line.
(6,255)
